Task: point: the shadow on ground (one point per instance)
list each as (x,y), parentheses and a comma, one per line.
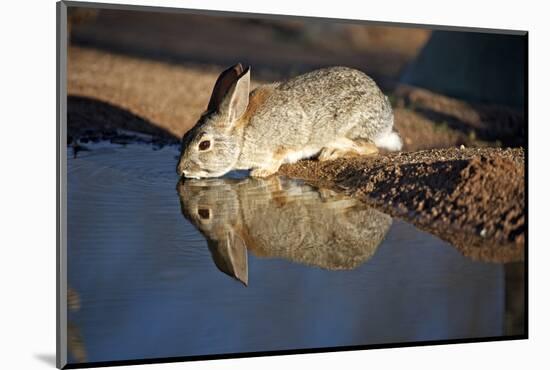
(91,119)
(475,123)
(47,358)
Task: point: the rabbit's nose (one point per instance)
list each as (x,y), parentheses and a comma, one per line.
(180,170)
(183,168)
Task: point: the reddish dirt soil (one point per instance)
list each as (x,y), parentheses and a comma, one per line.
(474,198)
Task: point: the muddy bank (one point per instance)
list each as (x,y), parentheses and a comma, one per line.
(473,198)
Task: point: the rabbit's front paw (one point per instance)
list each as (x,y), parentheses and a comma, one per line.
(263,172)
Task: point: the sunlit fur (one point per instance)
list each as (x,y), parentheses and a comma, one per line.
(327,113)
(222,155)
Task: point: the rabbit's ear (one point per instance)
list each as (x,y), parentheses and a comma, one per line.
(224,82)
(238,256)
(235,102)
(230,255)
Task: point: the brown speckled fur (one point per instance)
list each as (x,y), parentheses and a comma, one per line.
(336,111)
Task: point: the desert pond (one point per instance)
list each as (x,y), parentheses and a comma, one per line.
(158,268)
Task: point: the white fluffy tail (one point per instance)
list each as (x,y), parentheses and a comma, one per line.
(389,140)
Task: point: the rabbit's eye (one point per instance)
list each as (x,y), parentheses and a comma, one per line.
(204,213)
(203,145)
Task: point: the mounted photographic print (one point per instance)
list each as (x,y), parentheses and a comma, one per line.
(234,184)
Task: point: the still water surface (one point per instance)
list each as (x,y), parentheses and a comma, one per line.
(160,269)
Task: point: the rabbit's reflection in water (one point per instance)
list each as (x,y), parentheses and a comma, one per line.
(281,218)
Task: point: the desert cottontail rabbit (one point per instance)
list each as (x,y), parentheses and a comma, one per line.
(328,113)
